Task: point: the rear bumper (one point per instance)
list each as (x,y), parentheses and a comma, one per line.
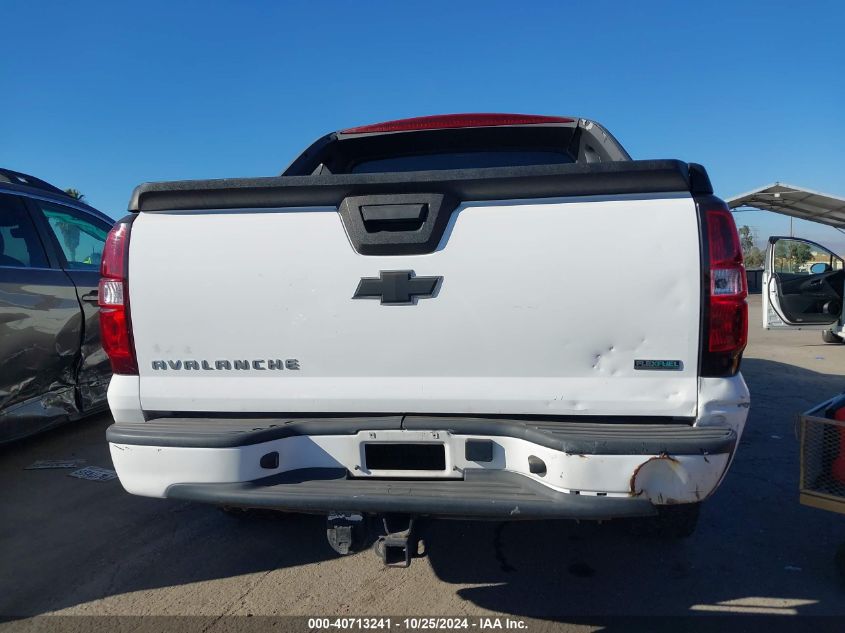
(590,470)
(481,494)
(588,438)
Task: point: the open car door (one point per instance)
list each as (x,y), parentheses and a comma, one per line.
(803,285)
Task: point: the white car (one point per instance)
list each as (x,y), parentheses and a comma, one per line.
(803,287)
(467,316)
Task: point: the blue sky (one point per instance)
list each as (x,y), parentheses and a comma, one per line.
(102,96)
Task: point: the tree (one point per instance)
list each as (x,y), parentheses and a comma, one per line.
(75,193)
(791,255)
(800,253)
(746,238)
(752,255)
(754,258)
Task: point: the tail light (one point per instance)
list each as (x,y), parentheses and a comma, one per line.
(443,121)
(113,297)
(726,311)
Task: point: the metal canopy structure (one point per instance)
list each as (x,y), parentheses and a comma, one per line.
(795,202)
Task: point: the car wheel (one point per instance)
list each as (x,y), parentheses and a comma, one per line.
(829,336)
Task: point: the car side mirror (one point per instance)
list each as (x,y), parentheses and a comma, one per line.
(819,267)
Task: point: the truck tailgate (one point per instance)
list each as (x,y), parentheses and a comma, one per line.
(544,307)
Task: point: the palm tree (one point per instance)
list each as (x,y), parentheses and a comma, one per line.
(75,193)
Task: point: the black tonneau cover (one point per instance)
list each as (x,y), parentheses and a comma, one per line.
(500,183)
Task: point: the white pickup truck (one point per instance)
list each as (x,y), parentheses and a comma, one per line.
(464,316)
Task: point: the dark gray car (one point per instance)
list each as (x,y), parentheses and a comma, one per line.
(52,367)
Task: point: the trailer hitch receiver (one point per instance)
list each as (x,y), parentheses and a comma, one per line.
(398,545)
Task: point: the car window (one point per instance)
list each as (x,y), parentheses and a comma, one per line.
(798,257)
(20,246)
(80,237)
(461,160)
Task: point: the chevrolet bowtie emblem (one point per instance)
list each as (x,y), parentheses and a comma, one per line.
(396,287)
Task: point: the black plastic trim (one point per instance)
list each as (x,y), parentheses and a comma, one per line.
(699,180)
(227,433)
(397,224)
(583,438)
(500,183)
(590,438)
(481,494)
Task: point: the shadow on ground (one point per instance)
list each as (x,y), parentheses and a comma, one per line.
(65,542)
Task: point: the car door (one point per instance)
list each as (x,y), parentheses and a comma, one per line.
(77,238)
(40,328)
(803,285)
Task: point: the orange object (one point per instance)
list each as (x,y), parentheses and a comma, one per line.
(837,468)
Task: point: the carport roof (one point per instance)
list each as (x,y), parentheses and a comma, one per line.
(796,202)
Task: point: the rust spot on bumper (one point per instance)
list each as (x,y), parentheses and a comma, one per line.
(632,485)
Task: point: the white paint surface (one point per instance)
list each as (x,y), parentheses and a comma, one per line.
(543,309)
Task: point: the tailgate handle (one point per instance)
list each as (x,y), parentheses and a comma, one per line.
(378,213)
(91,297)
(396,223)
